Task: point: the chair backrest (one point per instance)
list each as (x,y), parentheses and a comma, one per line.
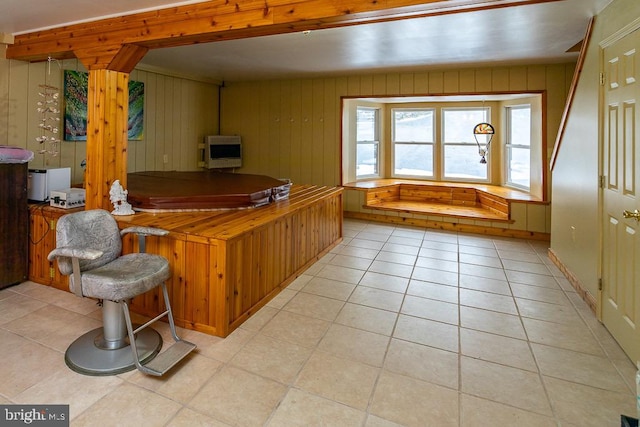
(91,229)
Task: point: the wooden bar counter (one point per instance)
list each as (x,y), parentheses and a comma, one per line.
(226,264)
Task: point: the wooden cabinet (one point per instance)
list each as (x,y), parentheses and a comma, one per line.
(14,223)
(42,240)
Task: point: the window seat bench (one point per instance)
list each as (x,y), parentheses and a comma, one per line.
(449,199)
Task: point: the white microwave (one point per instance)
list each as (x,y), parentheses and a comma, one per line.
(41,182)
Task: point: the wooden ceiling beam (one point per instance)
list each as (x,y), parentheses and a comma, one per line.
(219,20)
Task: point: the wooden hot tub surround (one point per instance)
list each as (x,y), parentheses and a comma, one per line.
(226,264)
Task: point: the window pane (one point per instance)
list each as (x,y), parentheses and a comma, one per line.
(518,159)
(459,124)
(366,124)
(519,166)
(366,159)
(413,159)
(462,161)
(413,125)
(367,142)
(520,126)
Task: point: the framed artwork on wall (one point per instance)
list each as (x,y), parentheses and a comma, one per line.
(76,85)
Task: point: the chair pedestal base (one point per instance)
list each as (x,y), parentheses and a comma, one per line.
(84,357)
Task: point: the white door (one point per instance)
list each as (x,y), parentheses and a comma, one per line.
(621,192)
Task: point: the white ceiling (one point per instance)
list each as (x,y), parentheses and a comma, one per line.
(528,34)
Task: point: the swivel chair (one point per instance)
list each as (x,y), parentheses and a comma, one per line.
(88,250)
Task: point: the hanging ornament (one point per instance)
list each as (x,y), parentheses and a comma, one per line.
(483,134)
(49,115)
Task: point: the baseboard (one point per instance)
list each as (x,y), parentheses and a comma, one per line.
(575,282)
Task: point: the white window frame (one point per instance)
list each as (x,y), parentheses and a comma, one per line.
(375,142)
(509,145)
(395,141)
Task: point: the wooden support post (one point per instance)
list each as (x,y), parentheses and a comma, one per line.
(107,122)
(107,117)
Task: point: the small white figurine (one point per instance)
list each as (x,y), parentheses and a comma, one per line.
(118,197)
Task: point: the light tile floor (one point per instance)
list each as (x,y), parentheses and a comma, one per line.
(396,326)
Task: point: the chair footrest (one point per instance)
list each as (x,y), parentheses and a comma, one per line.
(168,358)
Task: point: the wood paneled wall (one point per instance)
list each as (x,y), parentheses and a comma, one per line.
(179,111)
(291,128)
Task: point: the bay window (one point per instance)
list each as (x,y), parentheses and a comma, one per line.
(432,138)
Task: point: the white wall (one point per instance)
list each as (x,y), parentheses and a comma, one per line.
(179,112)
(575,175)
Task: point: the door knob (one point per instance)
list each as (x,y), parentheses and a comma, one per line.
(635,214)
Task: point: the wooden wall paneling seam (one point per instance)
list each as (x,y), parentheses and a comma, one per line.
(318,142)
(285,129)
(178,94)
(451,81)
(171,147)
(518,78)
(536,77)
(306,130)
(167,126)
(295,159)
(190,136)
(483,80)
(467,81)
(436,82)
(407,84)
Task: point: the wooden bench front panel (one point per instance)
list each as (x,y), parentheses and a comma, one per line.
(438,194)
(494,203)
(383,194)
(446,200)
